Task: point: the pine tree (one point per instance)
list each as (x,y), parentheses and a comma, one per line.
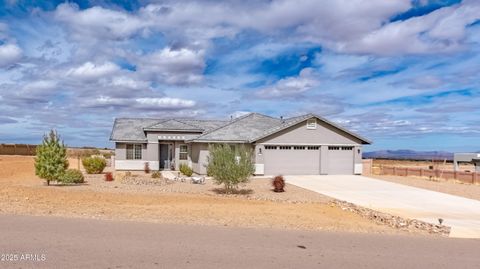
(51,160)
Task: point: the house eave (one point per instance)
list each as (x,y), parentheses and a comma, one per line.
(217,141)
(173,130)
(128,141)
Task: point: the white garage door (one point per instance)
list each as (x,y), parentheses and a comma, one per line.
(340,160)
(292,160)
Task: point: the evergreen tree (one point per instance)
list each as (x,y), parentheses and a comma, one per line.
(51,160)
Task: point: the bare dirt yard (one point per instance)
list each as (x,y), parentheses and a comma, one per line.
(450,187)
(437,164)
(21,192)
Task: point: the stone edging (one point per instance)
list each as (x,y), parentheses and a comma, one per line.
(400,223)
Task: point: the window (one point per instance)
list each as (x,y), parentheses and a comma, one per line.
(183,152)
(311,124)
(347,148)
(313,147)
(270,147)
(285,147)
(298,147)
(134,151)
(333,148)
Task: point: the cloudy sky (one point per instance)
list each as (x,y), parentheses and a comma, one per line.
(403,73)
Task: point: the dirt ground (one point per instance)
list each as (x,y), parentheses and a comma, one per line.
(23,193)
(450,187)
(422,164)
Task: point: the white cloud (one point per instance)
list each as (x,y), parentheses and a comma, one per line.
(9,54)
(292,86)
(440,31)
(91,71)
(144,103)
(40,85)
(127,82)
(181,67)
(165,102)
(98,22)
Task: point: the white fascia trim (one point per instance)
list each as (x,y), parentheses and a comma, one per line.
(308,144)
(219,141)
(132,141)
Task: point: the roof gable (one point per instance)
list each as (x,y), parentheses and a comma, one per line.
(293,121)
(241,129)
(173,125)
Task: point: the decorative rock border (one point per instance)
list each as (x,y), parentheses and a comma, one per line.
(400,223)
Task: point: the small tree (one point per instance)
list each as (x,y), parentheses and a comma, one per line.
(230,165)
(51,159)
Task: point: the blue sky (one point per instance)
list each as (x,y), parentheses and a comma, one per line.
(403,73)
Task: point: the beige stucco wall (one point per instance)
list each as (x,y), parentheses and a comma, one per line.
(199,157)
(324,135)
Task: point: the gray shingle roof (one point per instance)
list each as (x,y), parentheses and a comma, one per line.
(173,124)
(248,128)
(127,129)
(132,129)
(241,129)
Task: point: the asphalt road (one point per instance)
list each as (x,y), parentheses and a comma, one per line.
(83,243)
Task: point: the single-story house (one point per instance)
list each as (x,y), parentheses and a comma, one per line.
(307,144)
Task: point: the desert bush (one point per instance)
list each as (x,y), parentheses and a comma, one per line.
(278,184)
(51,158)
(146,167)
(107,155)
(230,166)
(186,170)
(72,176)
(108,176)
(156,174)
(94,165)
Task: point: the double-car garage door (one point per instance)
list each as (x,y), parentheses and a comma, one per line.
(306,160)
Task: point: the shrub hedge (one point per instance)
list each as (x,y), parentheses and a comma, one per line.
(72,176)
(186,170)
(94,165)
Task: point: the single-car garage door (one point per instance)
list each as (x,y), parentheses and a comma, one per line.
(292,160)
(340,160)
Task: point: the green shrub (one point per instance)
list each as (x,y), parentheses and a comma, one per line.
(186,170)
(230,165)
(51,158)
(156,174)
(72,176)
(94,165)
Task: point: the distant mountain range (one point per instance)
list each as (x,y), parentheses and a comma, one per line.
(408,154)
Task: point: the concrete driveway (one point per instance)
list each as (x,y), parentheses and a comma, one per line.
(462,214)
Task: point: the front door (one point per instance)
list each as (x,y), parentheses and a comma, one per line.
(164,156)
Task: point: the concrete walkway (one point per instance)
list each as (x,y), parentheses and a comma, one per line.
(462,214)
